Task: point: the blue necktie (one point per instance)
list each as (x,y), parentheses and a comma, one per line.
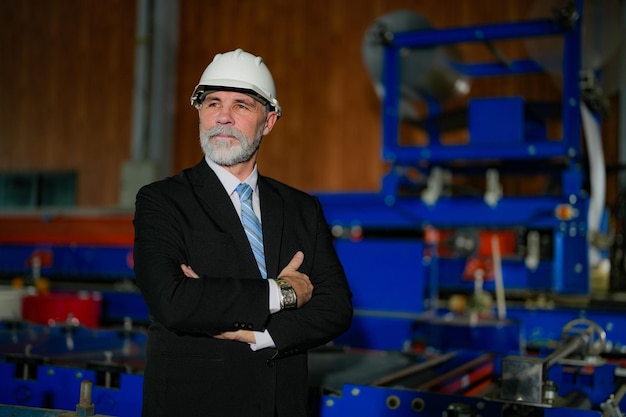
(252,226)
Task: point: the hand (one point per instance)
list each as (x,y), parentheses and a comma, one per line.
(299,281)
(246,336)
(189,273)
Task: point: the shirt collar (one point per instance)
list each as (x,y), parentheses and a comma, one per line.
(229,181)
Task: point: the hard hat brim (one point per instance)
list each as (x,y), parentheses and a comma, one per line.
(202,90)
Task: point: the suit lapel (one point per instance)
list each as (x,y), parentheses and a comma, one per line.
(272,209)
(219,208)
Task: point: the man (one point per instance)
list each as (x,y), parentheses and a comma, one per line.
(234,309)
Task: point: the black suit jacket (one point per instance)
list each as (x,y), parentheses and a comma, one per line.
(189,219)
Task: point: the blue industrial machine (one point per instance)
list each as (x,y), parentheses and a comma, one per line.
(480,301)
(467,303)
(48,366)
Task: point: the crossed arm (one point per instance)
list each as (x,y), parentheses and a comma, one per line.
(300,283)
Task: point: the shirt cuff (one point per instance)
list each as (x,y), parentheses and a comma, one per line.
(274,296)
(263,340)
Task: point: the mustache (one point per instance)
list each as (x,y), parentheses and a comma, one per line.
(226,130)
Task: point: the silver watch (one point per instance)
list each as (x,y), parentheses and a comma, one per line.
(289,299)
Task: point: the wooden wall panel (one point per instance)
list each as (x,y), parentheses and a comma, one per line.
(66,73)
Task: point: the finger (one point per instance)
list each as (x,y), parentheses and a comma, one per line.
(295,262)
(189,273)
(246,336)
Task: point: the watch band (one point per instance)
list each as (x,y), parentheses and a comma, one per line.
(288,296)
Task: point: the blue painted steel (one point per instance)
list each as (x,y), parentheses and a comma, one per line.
(481,33)
(118,306)
(491,69)
(543,325)
(525,327)
(64,341)
(60,358)
(572,96)
(568,273)
(368,401)
(55,385)
(387,282)
(390,104)
(380,268)
(564,271)
(70,261)
(595,383)
(124,401)
(410,155)
(450,333)
(19,411)
(58,387)
(375,211)
(496,120)
(568,146)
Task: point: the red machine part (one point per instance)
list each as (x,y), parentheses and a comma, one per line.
(80,308)
(482,258)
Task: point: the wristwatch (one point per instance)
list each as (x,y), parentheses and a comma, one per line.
(288,296)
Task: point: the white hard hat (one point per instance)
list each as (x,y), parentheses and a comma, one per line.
(240,71)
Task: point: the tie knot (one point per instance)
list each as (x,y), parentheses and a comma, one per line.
(244,191)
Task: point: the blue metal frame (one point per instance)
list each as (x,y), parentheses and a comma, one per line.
(568,147)
(108,262)
(356,217)
(567,274)
(369,401)
(390,209)
(57,386)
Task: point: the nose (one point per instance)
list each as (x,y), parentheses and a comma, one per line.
(225,115)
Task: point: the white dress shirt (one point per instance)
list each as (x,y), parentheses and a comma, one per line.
(230,183)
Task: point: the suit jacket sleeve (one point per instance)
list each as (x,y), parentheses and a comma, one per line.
(174,227)
(329,312)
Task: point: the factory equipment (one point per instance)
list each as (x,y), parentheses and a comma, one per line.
(475,294)
(84,407)
(78,263)
(46,366)
(574,379)
(469,300)
(525,379)
(71,315)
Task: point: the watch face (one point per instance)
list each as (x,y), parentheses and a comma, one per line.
(290,297)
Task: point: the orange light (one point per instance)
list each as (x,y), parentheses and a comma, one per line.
(431,235)
(565,212)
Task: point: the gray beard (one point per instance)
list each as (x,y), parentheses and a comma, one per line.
(226,154)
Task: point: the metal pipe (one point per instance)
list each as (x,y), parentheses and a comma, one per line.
(622,104)
(162,85)
(573,345)
(610,408)
(413,369)
(620,393)
(141,82)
